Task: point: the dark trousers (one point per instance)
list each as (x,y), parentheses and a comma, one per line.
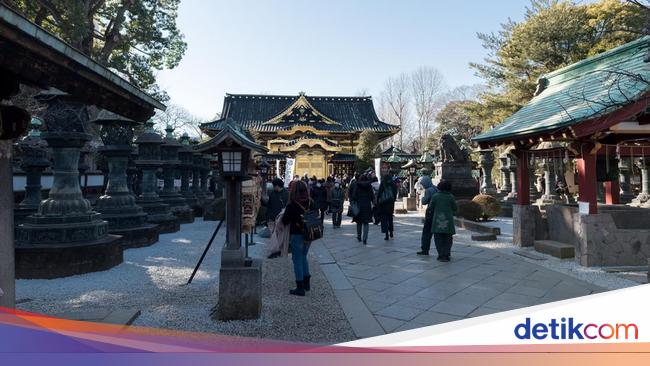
(336,217)
(425,242)
(386,223)
(362,227)
(322,213)
(443,244)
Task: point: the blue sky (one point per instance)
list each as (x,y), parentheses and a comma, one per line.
(326,47)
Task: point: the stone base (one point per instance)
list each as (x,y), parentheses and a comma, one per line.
(523,225)
(61,260)
(198,211)
(20,214)
(137,237)
(459,174)
(215,210)
(410,203)
(240,293)
(184,216)
(166,225)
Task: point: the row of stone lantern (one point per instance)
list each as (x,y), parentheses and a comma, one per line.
(554,170)
(63,235)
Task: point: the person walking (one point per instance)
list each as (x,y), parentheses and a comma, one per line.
(375,190)
(319,195)
(299,203)
(364,198)
(442,207)
(429,190)
(278,198)
(386,196)
(337,197)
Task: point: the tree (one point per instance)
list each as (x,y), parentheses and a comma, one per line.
(396,103)
(427,85)
(180,119)
(553,34)
(367,150)
(133,37)
(454,120)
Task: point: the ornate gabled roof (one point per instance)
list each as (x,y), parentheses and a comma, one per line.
(232,131)
(585,90)
(312,136)
(268,113)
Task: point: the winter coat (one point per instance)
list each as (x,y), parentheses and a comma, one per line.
(386,208)
(279,241)
(429,189)
(441,209)
(277,201)
(364,197)
(319,195)
(337,197)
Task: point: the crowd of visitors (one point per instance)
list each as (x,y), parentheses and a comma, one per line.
(293,213)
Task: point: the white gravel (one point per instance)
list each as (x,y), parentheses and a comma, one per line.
(503,244)
(153,279)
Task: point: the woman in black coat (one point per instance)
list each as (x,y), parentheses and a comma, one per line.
(365,198)
(386,205)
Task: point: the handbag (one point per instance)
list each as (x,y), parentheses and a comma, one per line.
(312,227)
(353,209)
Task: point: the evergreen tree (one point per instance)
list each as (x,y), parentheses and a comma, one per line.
(367,150)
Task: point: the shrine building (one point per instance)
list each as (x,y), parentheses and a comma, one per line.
(321,133)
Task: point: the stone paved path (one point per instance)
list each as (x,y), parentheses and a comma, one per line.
(384,287)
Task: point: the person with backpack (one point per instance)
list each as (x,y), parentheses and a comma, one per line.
(295,215)
(386,196)
(364,198)
(337,196)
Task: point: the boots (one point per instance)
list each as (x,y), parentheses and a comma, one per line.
(386,237)
(300,289)
(306,283)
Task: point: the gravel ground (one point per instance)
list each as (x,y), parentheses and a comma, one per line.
(503,244)
(153,280)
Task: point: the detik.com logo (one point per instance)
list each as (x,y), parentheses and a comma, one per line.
(568,328)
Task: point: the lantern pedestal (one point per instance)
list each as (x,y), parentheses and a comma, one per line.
(410,203)
(240,292)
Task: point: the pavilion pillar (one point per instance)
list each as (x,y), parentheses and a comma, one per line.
(588,194)
(612,193)
(624,169)
(523,213)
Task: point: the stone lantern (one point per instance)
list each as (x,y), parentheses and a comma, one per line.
(197,170)
(240,280)
(169,195)
(149,161)
(625,170)
(65,237)
(506,187)
(34,160)
(426,161)
(185,155)
(410,202)
(206,170)
(486,162)
(117,204)
(643,198)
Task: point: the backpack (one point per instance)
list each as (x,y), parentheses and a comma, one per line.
(312,226)
(386,196)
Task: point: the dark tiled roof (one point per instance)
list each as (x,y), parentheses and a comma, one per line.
(344,157)
(252,111)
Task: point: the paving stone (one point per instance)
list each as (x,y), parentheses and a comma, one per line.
(483,310)
(410,326)
(335,276)
(361,320)
(522,289)
(399,312)
(375,306)
(421,303)
(389,324)
(514,298)
(433,318)
(454,308)
(375,285)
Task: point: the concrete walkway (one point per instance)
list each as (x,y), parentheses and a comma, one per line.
(385,287)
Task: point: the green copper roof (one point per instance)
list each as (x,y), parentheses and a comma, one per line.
(578,92)
(426,158)
(395,158)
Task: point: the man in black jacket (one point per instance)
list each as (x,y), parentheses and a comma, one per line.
(278,199)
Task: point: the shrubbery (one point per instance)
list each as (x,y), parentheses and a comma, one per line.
(469,210)
(490,206)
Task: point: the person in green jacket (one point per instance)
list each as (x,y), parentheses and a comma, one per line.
(442,206)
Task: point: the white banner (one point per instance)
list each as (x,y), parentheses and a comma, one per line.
(277,168)
(288,173)
(378,168)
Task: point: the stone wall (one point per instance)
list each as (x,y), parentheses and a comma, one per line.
(604,244)
(562,224)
